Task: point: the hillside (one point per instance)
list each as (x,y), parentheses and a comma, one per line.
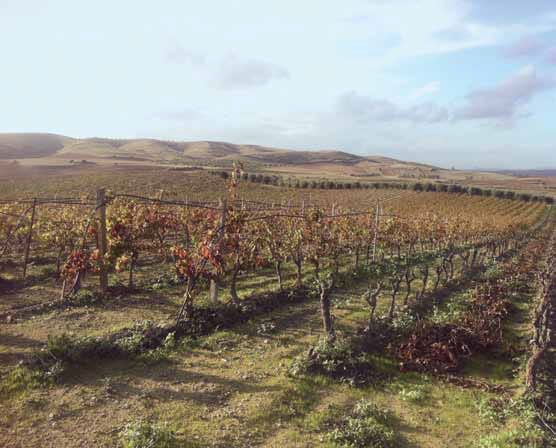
(25,154)
(14,146)
(61,148)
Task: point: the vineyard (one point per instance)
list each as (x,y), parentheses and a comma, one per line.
(351,319)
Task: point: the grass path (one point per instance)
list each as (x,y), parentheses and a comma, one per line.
(234,390)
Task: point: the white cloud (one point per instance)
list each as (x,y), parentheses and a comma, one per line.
(180,55)
(237,73)
(427,89)
(504,102)
(364,109)
(526,46)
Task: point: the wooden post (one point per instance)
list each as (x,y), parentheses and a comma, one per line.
(213,283)
(29,238)
(377,221)
(101,238)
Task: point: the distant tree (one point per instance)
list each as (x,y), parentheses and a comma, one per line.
(524,197)
(430,187)
(475,191)
(549,200)
(418,187)
(224,175)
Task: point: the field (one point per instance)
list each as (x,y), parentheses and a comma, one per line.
(48,154)
(343,318)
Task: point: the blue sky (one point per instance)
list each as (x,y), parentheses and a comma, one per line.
(470,83)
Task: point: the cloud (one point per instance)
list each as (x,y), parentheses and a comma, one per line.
(177,54)
(551,56)
(509,11)
(455,33)
(504,101)
(427,89)
(364,109)
(526,46)
(236,73)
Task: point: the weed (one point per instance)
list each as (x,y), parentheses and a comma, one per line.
(336,359)
(19,380)
(147,435)
(365,427)
(414,394)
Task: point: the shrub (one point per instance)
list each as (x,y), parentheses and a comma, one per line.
(147,435)
(335,359)
(365,427)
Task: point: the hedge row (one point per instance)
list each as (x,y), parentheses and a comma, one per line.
(330,185)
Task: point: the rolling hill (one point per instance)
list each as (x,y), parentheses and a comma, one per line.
(58,147)
(25,154)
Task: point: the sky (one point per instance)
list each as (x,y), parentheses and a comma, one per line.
(464,83)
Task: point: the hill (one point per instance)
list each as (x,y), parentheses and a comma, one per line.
(14,146)
(60,148)
(23,154)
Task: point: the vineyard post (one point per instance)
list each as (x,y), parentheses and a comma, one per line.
(29,238)
(213,283)
(101,240)
(377,214)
